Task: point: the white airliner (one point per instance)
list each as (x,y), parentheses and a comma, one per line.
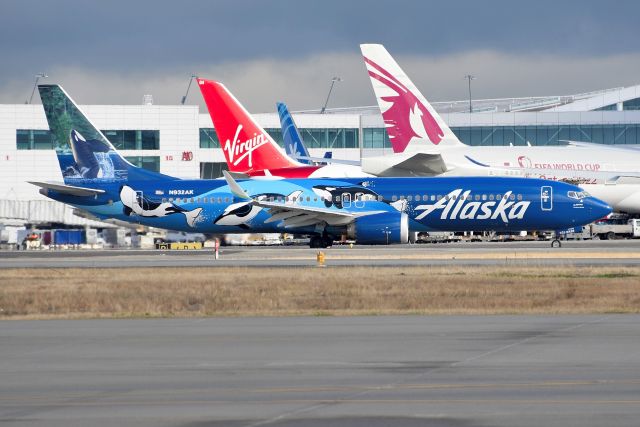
(424,145)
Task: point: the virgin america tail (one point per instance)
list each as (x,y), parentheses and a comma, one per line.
(249,149)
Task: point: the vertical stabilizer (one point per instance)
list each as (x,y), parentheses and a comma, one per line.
(84,153)
(293,143)
(245,144)
(411,122)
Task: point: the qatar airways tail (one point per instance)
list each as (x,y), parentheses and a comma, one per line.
(408,117)
(249,149)
(424,145)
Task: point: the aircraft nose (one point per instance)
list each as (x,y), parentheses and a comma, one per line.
(597,209)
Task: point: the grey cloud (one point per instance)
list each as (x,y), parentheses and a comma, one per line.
(303,82)
(129,37)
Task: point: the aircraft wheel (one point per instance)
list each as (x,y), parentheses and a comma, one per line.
(315,242)
(555,243)
(327,241)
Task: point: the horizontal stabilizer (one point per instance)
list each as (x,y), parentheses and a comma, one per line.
(328,160)
(417,164)
(239,175)
(629,178)
(67,189)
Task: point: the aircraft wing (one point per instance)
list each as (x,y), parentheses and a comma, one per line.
(67,189)
(412,164)
(296,215)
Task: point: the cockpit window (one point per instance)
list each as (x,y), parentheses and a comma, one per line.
(578,195)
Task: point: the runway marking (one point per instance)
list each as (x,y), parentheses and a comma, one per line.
(318,403)
(390,254)
(364,388)
(461,255)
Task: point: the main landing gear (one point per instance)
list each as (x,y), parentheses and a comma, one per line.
(323,241)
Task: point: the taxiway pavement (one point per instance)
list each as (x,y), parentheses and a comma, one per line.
(617,252)
(444,371)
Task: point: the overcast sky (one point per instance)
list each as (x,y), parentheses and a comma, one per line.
(114,52)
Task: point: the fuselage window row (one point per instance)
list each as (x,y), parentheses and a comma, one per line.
(358,197)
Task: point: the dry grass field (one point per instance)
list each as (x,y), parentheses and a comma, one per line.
(168,292)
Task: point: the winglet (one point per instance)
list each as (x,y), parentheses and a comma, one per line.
(235,187)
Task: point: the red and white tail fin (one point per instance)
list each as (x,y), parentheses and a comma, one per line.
(411,122)
(245,144)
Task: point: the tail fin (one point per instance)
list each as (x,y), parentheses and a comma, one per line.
(84,153)
(246,145)
(293,144)
(411,122)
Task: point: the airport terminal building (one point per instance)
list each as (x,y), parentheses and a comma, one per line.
(179,140)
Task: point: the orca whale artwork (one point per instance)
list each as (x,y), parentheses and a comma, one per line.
(97,179)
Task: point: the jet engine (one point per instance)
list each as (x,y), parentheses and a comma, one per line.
(380,229)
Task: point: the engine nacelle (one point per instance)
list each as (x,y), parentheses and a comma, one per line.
(380,229)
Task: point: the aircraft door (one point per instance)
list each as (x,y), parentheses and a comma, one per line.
(359,200)
(346,200)
(546,197)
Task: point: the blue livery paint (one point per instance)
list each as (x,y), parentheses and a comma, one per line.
(371,210)
(475,162)
(293,144)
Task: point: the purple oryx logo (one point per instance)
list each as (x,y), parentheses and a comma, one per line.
(407,117)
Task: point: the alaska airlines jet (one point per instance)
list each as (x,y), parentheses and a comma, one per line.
(423,145)
(98,180)
(250,150)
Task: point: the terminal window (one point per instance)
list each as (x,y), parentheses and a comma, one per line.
(35,139)
(151,163)
(134,139)
(326,138)
(549,134)
(212,170)
(209,138)
(32,139)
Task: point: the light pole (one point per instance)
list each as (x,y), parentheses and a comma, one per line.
(333,81)
(469,77)
(38,77)
(184,98)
